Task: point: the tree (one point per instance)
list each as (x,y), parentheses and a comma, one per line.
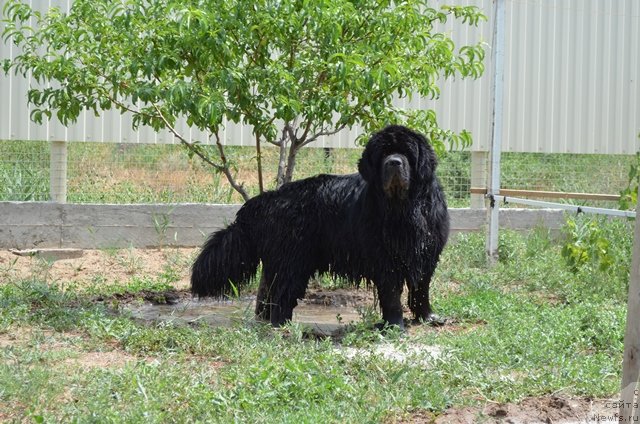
(295,70)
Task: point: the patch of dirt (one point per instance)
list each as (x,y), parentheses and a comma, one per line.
(450,326)
(12,339)
(547,410)
(108,359)
(102,266)
(24,335)
(67,344)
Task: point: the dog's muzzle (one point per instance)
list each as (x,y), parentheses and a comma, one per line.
(396,176)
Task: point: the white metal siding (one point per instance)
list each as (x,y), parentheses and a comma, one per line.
(571,85)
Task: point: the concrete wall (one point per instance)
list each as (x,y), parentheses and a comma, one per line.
(27,225)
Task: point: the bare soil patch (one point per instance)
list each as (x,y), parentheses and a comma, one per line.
(18,336)
(102,266)
(11,339)
(539,410)
(67,345)
(100,359)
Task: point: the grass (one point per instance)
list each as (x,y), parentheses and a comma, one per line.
(127,173)
(528,327)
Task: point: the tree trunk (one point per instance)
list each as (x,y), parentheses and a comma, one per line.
(291,162)
(259,160)
(282,163)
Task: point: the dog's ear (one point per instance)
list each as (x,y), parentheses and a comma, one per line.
(366,164)
(427,160)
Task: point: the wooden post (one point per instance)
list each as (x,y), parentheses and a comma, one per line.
(58,171)
(478,177)
(629,411)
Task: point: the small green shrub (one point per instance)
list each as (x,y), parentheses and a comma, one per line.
(629,196)
(586,245)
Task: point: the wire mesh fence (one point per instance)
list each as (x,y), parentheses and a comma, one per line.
(605,174)
(568,173)
(142,173)
(24,170)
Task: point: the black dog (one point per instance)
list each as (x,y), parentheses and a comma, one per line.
(386,225)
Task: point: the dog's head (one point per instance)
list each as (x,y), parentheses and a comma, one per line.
(399,161)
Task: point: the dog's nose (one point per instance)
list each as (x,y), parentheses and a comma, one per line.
(394,161)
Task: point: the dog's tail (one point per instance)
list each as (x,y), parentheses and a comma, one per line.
(227,259)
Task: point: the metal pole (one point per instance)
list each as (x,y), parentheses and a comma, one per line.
(629,411)
(58,171)
(497,100)
(573,208)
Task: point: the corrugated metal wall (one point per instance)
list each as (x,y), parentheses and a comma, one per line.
(571,85)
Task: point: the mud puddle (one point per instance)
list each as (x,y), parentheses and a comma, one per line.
(321,319)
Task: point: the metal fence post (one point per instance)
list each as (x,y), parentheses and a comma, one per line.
(497,101)
(58,171)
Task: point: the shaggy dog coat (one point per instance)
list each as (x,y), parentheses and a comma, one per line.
(385,225)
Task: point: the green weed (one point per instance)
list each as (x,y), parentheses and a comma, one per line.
(131,262)
(629,195)
(586,246)
(23,183)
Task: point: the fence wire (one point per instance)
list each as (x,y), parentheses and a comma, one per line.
(24,170)
(569,173)
(128,173)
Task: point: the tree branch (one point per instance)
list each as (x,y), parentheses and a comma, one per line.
(358,109)
(275,143)
(184,141)
(196,149)
(122,105)
(304,135)
(288,129)
(227,172)
(324,132)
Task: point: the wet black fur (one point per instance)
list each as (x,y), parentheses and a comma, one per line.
(386,224)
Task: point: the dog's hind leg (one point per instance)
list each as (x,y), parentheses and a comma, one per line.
(263,298)
(288,288)
(390,303)
(419,303)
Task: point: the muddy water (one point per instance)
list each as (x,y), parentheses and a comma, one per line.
(321,319)
(324,314)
